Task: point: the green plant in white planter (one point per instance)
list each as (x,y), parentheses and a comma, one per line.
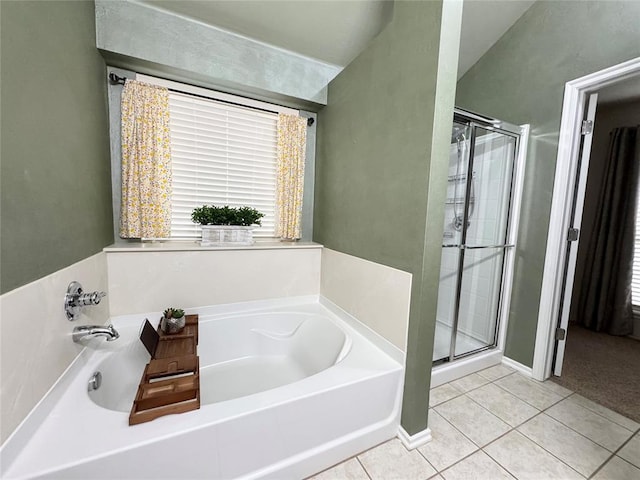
(173,320)
(226,225)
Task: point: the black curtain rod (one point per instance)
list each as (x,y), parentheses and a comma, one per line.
(117,80)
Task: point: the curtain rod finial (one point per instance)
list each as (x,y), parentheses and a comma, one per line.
(115,79)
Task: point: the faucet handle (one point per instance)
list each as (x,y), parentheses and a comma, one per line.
(92,298)
(76,298)
(95,297)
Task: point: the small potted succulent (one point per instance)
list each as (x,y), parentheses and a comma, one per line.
(226,225)
(173,320)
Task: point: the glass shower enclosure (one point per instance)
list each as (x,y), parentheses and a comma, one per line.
(476,236)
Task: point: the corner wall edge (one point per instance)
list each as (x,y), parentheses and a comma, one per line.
(414,441)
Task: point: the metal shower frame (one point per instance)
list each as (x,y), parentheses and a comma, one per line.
(474,121)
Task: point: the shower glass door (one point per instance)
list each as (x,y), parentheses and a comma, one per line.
(484,240)
(475,240)
(451,241)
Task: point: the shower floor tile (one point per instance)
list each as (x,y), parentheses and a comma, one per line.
(564,436)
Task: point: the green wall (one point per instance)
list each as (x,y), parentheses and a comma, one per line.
(521,80)
(381,167)
(55,175)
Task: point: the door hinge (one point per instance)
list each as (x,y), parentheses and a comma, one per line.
(587,127)
(561,333)
(573,234)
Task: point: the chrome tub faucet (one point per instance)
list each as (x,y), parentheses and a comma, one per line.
(74,300)
(85,332)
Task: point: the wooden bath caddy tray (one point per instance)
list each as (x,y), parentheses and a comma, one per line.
(170,382)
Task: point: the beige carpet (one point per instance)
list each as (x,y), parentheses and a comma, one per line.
(603,368)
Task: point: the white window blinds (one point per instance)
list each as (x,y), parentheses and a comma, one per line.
(222,154)
(635,281)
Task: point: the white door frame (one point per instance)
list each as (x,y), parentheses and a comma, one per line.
(573,106)
(578,207)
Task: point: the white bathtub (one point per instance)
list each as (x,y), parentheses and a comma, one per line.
(288,387)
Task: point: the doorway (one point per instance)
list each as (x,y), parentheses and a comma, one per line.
(599,361)
(579,171)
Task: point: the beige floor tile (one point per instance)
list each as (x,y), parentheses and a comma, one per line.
(555,388)
(527,461)
(471,419)
(599,429)
(447,446)
(349,470)
(478,466)
(442,393)
(496,372)
(605,412)
(503,404)
(391,461)
(469,382)
(528,390)
(631,451)
(618,469)
(572,448)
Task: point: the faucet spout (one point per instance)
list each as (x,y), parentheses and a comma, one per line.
(84,332)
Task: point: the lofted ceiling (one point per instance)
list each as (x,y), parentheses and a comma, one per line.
(483,23)
(336,31)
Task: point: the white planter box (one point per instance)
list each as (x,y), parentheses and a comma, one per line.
(217,235)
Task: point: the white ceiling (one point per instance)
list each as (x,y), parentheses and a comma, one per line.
(336,31)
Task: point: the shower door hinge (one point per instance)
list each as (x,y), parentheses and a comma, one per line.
(587,127)
(573,234)
(561,333)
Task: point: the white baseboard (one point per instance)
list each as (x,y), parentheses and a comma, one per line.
(414,441)
(523,369)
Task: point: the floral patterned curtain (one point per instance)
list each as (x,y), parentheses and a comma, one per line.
(146,162)
(292,139)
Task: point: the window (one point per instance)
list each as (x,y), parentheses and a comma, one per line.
(222,154)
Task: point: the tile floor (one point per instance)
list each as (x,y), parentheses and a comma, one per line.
(498,424)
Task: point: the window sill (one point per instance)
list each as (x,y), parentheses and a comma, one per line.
(194,245)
